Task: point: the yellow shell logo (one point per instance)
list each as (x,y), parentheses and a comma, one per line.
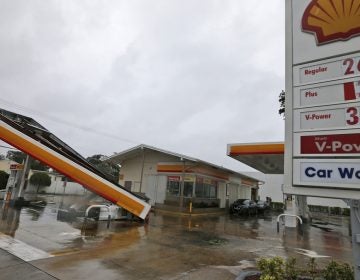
(332,20)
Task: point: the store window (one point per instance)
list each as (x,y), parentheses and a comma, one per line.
(173,185)
(205,188)
(188,188)
(189,181)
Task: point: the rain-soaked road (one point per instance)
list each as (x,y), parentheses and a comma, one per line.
(169,247)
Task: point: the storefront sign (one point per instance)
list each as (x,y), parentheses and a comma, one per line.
(331,21)
(189,179)
(330,144)
(174,178)
(315,38)
(207,181)
(247,182)
(16,166)
(323,94)
(332,173)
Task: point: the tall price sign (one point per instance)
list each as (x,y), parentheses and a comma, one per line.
(322,139)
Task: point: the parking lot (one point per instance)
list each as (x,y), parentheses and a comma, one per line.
(168,247)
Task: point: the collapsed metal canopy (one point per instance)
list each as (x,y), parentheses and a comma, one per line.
(267,158)
(30,137)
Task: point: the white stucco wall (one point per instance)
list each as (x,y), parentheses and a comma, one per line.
(5,165)
(57,186)
(244,192)
(131,169)
(237,191)
(154,184)
(233,190)
(221,194)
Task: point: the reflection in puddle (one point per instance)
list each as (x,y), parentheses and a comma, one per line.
(237,269)
(169,246)
(309,253)
(322,227)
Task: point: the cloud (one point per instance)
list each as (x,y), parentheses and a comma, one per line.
(188,76)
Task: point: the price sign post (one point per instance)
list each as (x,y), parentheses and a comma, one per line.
(322,94)
(322,120)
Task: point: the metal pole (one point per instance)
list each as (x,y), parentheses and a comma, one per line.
(24,177)
(355,228)
(108,221)
(142,168)
(182,184)
(288,215)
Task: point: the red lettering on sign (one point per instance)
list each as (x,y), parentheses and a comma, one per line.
(352,117)
(330,144)
(315,71)
(314,116)
(311,94)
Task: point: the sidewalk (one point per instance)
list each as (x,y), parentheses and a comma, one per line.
(12,267)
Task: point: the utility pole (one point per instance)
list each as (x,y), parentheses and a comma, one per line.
(142,168)
(355,236)
(24,179)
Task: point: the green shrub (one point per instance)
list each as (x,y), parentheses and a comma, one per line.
(214,204)
(278,206)
(335,271)
(329,210)
(271,268)
(335,210)
(346,211)
(277,268)
(3,179)
(291,271)
(312,268)
(200,205)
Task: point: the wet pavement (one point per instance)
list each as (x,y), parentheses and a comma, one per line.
(169,247)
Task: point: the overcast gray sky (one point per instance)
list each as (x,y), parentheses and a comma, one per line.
(185,76)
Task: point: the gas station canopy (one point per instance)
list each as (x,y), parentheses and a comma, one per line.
(267,158)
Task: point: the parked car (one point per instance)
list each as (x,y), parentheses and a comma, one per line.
(262,206)
(234,205)
(243,206)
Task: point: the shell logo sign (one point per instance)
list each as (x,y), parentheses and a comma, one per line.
(332,20)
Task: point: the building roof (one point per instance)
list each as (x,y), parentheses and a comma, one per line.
(267,157)
(120,157)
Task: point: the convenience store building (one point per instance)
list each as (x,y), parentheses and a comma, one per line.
(174,180)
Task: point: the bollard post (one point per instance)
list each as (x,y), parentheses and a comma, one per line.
(83,227)
(283,215)
(190,207)
(108,221)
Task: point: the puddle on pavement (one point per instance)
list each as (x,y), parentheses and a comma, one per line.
(322,227)
(326,225)
(201,238)
(237,269)
(169,247)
